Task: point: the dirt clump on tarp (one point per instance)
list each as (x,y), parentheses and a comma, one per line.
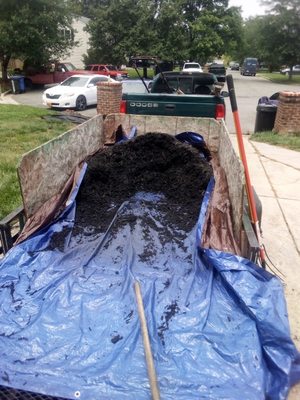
(154,163)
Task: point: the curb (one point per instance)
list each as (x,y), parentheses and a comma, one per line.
(4,93)
(5,98)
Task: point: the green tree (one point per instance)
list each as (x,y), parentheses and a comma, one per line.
(120,29)
(211,28)
(86,8)
(34,29)
(251,43)
(170,29)
(197,30)
(261,35)
(281,31)
(233,36)
(215,34)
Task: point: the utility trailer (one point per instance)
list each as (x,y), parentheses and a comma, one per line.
(69,326)
(44,171)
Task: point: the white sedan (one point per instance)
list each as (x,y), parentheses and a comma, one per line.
(192,67)
(77,91)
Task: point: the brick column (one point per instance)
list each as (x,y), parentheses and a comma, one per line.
(288,113)
(109,95)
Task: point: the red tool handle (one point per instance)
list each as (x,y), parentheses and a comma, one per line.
(249,188)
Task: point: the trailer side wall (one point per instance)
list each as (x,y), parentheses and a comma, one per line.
(44,171)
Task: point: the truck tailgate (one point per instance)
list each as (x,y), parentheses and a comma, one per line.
(172,104)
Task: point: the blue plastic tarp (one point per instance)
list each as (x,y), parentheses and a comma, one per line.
(69,325)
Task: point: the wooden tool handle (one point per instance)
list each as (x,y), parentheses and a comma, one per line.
(147,347)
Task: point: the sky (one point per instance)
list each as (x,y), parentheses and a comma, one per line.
(250,8)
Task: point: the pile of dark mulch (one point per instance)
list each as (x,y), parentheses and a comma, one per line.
(156,163)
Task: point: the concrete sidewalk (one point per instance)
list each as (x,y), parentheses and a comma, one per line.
(5,98)
(275,175)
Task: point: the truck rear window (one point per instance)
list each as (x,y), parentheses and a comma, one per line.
(69,66)
(184,84)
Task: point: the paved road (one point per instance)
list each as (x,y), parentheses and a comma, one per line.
(248,90)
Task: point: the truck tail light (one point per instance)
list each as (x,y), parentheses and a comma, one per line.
(123,107)
(220,111)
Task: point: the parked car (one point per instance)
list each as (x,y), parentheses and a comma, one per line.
(109,70)
(295,70)
(77,91)
(235,66)
(219,70)
(192,67)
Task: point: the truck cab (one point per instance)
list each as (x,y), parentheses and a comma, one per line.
(185,82)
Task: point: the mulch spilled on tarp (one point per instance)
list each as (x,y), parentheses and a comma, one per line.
(154,163)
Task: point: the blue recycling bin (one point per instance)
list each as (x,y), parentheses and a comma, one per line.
(18,84)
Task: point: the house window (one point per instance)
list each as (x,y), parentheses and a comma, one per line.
(68,34)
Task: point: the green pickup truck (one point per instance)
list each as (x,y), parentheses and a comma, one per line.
(188,94)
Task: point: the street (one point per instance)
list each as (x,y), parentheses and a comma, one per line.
(248,90)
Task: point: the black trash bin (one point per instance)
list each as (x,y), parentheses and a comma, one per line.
(17,84)
(265,117)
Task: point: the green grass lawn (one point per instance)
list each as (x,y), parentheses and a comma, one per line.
(132,74)
(290,141)
(276,77)
(22,128)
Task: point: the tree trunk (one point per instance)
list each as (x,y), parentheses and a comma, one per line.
(290,73)
(4,66)
(145,75)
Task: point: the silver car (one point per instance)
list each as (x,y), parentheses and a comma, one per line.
(295,70)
